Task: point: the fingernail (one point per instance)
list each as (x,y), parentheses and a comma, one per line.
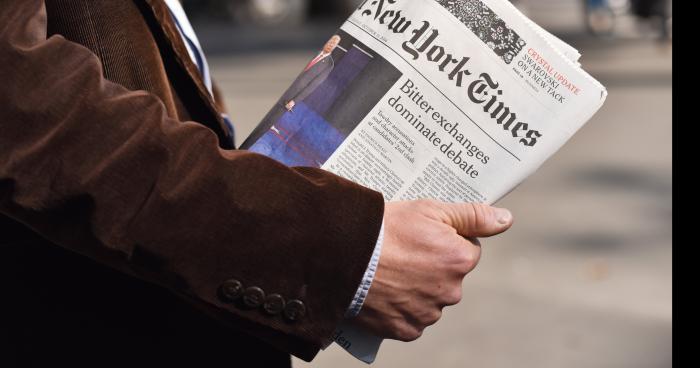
(503,215)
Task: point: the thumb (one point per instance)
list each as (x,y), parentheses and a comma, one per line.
(477,220)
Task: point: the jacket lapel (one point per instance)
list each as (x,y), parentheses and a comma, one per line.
(173,40)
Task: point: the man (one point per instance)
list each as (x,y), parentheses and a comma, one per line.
(313,75)
(132,235)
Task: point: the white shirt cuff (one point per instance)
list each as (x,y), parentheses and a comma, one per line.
(367,279)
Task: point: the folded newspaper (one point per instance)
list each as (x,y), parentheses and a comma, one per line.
(455,100)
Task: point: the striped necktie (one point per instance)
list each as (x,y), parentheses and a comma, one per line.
(195,50)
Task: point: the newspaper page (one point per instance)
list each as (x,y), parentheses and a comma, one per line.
(454,100)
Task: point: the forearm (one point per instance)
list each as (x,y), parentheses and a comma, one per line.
(104,171)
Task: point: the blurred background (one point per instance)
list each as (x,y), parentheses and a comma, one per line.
(584,277)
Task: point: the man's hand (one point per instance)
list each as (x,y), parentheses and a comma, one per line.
(290,105)
(429,247)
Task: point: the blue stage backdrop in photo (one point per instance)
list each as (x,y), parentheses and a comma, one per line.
(300,138)
(304,137)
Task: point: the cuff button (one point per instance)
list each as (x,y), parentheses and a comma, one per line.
(253,297)
(274,304)
(295,310)
(230,291)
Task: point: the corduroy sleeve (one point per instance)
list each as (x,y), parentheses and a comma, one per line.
(102,171)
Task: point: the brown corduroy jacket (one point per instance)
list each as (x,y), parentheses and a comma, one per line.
(124,209)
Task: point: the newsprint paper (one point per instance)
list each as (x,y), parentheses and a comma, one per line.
(455,100)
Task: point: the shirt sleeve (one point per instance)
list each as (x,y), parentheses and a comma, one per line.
(359,299)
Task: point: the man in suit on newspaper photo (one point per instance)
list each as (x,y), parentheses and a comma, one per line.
(315,73)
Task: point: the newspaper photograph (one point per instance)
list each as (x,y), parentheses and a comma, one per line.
(454,100)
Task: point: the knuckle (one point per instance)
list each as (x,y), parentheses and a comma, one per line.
(454,296)
(472,259)
(462,255)
(468,259)
(433,317)
(407,333)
